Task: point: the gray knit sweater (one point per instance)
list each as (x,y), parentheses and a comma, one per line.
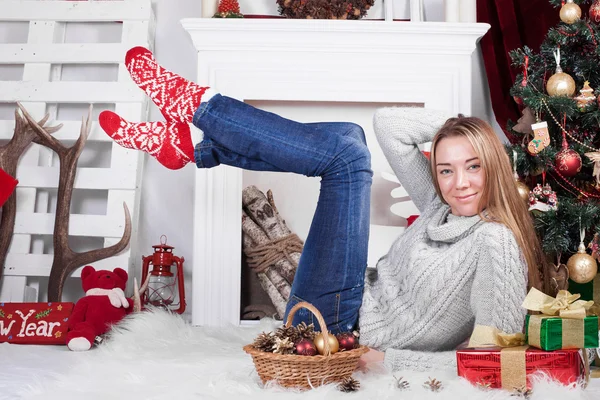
(444,273)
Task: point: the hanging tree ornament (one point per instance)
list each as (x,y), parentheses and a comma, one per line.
(582,267)
(524,123)
(595,157)
(522,188)
(567,161)
(586,97)
(541,138)
(570,12)
(560,84)
(559,276)
(594,13)
(594,246)
(517,99)
(543,198)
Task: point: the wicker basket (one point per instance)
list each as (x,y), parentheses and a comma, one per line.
(291,370)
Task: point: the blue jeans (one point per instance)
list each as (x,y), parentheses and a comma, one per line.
(332,266)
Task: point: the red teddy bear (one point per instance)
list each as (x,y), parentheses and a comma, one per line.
(104,304)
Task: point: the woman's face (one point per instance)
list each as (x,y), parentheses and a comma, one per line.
(460,175)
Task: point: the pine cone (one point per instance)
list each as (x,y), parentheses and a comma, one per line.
(264,342)
(402,384)
(306,331)
(433,384)
(287,332)
(522,392)
(349,384)
(283,346)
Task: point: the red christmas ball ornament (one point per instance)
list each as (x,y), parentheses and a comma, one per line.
(306,347)
(568,162)
(518,100)
(347,341)
(594,13)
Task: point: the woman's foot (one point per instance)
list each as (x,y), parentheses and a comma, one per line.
(169,142)
(176,97)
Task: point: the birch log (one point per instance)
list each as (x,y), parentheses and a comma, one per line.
(259,238)
(272,283)
(253,237)
(260,210)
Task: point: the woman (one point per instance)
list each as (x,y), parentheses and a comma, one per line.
(463,261)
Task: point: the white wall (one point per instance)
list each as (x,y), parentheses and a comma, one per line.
(167,196)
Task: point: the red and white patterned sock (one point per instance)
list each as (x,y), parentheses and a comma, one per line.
(169,142)
(176,97)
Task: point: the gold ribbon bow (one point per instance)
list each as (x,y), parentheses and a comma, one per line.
(484,336)
(566,305)
(512,356)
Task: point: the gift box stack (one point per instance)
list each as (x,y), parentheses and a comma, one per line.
(551,345)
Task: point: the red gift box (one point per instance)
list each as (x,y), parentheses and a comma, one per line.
(34,323)
(484,366)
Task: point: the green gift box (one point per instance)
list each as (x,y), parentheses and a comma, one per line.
(554,333)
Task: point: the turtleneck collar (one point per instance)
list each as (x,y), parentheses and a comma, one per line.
(447,227)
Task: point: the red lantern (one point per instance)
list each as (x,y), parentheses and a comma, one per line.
(162,283)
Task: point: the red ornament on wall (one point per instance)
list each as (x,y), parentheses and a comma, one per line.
(594,13)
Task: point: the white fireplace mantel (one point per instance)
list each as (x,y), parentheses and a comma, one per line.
(308,60)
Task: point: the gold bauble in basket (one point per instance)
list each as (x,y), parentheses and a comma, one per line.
(303,372)
(334,345)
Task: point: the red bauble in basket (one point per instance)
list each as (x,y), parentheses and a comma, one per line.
(347,341)
(306,347)
(293,370)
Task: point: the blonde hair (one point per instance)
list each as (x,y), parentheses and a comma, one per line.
(500,198)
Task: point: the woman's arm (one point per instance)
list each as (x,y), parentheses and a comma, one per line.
(500,283)
(399,360)
(399,130)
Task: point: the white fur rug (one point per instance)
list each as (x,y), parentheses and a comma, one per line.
(155,355)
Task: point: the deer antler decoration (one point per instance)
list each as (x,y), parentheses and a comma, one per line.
(9,157)
(65,259)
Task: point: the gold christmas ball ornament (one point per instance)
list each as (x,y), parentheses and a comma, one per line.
(570,12)
(523,190)
(560,84)
(582,267)
(334,345)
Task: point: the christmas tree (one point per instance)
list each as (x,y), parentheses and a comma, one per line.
(555,145)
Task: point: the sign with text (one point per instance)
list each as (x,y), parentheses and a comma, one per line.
(34,323)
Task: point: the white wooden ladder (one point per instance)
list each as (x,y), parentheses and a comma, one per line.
(66,52)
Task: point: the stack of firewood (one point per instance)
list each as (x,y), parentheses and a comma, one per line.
(272,250)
